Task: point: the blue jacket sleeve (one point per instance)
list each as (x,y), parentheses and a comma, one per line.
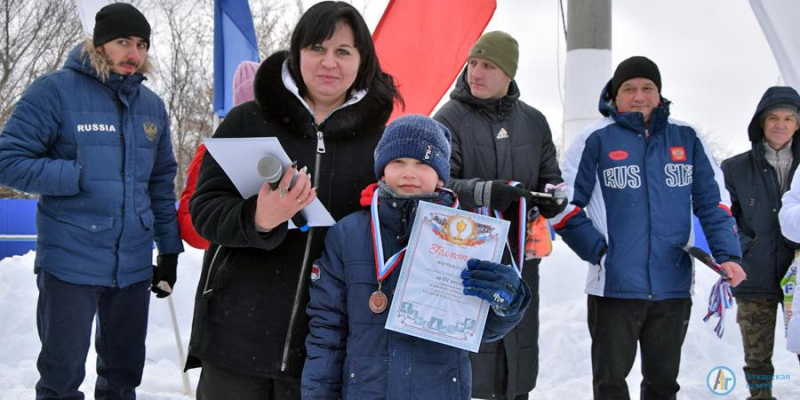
(26,162)
(162,194)
(328,325)
(579,170)
(712,204)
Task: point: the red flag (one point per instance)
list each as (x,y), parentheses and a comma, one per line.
(424,45)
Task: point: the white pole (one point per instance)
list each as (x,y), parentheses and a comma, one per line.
(588,64)
(187,389)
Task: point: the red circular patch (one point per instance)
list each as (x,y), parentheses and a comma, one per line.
(618,155)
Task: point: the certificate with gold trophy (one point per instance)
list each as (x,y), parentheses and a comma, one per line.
(429,300)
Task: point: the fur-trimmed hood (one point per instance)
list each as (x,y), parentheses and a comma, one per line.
(86,59)
(272,96)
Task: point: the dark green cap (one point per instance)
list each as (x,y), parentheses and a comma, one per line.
(499,48)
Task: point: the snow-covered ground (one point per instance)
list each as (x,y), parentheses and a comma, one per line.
(565,366)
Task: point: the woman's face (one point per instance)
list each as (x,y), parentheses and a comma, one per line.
(330,68)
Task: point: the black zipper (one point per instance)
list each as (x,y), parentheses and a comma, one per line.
(306,259)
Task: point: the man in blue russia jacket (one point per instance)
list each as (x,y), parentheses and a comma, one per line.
(94,143)
(635,180)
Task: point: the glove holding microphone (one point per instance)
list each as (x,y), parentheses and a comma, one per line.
(283,195)
(498,194)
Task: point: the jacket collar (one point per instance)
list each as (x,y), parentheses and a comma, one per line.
(494,109)
(659,117)
(361,118)
(392,208)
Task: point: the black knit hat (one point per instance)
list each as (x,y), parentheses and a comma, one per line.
(635,67)
(120,20)
(418,137)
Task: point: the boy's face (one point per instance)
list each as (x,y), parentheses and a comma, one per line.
(409,176)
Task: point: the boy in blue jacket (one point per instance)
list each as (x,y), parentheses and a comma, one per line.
(350,354)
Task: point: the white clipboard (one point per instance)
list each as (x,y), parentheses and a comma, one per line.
(239,158)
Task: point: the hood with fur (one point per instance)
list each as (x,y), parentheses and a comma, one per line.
(280,104)
(86,59)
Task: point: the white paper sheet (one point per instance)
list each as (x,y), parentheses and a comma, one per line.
(429,302)
(239,158)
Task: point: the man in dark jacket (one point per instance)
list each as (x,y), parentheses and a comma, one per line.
(95,144)
(497,138)
(756,180)
(636,178)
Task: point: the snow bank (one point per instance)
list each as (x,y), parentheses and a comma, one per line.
(565,365)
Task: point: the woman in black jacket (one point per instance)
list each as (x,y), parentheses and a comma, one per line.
(327,101)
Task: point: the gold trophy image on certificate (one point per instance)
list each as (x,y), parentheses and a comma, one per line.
(429,300)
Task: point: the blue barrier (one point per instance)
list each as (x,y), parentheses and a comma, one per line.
(17,226)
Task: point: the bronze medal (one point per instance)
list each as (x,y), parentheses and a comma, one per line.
(378,302)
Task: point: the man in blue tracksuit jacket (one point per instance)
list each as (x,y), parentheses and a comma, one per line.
(95,145)
(636,178)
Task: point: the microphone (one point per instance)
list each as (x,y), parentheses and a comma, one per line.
(271,170)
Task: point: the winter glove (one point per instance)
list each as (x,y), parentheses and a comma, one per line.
(164,275)
(496,283)
(559,193)
(498,194)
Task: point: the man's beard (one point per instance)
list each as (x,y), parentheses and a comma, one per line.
(121,64)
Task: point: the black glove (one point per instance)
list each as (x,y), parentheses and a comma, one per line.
(502,195)
(164,275)
(496,283)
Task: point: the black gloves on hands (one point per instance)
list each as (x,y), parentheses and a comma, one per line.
(164,275)
(501,195)
(496,283)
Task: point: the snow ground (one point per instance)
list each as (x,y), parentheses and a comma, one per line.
(565,365)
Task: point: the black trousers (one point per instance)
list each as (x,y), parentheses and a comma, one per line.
(65,314)
(217,383)
(617,326)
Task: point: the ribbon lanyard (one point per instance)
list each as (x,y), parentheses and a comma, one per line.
(521,234)
(719,300)
(383,269)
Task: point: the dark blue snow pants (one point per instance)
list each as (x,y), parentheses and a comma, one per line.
(65,313)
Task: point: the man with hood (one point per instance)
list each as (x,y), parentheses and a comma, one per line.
(95,144)
(497,138)
(756,180)
(635,179)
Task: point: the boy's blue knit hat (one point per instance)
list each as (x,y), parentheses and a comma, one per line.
(418,137)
